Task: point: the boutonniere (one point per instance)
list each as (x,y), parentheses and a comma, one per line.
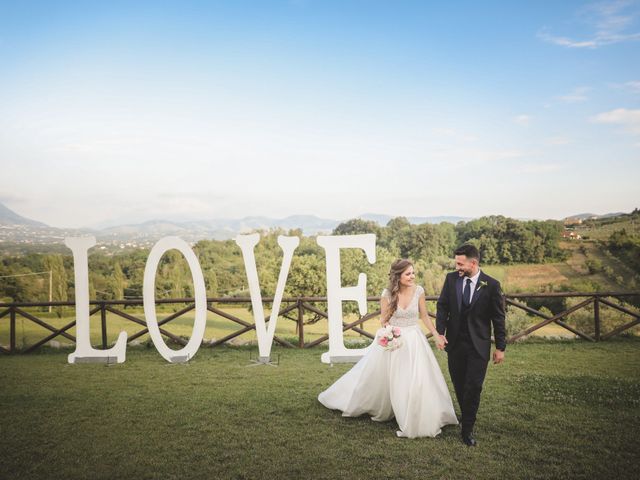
(482,284)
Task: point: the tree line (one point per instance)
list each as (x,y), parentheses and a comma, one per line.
(501,240)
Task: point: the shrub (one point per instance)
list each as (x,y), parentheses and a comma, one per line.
(594,265)
(517,320)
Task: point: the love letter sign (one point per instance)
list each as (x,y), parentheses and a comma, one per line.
(336,294)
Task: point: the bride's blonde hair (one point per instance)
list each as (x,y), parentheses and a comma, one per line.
(395,272)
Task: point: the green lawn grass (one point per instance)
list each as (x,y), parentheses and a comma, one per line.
(553,410)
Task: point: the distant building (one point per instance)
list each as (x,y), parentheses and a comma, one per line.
(573,221)
(571,235)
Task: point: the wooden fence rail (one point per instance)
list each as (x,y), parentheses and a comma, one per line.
(294,309)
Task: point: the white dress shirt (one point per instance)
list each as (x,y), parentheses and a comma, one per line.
(474,281)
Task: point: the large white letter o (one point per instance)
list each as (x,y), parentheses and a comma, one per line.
(149,292)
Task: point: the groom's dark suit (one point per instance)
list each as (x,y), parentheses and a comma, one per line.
(468,332)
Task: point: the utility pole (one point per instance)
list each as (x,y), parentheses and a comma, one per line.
(50,289)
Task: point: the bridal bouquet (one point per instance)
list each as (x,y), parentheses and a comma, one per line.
(389,337)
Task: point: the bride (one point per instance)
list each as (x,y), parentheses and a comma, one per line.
(405,382)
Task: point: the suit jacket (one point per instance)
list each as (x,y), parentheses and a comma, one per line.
(486,309)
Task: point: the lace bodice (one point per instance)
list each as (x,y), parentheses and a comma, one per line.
(405,317)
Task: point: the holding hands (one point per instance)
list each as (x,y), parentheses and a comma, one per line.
(441,341)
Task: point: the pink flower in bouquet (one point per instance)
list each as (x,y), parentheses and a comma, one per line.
(389,337)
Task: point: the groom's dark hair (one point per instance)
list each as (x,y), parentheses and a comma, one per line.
(468,250)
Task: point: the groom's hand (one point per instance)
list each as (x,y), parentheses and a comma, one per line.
(498,356)
(441,341)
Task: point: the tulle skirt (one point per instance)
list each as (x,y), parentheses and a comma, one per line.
(405,383)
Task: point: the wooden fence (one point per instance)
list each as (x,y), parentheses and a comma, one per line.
(294,309)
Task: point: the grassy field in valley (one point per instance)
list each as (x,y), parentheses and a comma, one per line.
(572,273)
(602,230)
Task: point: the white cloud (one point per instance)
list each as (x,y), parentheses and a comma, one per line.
(558,140)
(633,85)
(540,167)
(629,119)
(461,157)
(453,134)
(576,96)
(566,42)
(609,23)
(445,132)
(523,120)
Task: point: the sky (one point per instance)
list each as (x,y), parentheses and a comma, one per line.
(121,112)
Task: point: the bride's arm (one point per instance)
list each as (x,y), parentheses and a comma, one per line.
(426,319)
(384,308)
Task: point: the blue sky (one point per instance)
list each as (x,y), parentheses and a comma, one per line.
(128,111)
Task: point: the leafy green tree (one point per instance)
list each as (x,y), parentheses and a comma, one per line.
(117,282)
(211,282)
(55,264)
(357,226)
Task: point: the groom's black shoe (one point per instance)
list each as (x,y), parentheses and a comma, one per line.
(468,440)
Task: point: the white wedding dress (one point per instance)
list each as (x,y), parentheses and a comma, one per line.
(406,383)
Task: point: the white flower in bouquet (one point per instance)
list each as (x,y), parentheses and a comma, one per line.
(388,337)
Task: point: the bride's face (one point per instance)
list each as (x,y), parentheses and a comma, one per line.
(408,277)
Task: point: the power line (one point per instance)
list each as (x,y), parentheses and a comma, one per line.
(48,272)
(24,274)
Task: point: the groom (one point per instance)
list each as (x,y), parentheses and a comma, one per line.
(470,302)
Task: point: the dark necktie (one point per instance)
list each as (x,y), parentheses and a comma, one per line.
(466,295)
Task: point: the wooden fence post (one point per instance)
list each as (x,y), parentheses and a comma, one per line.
(596,317)
(103,321)
(12,330)
(300,324)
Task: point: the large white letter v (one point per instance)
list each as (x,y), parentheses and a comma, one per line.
(247,244)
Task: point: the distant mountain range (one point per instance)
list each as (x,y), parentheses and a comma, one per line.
(384,219)
(16,228)
(9,217)
(221,229)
